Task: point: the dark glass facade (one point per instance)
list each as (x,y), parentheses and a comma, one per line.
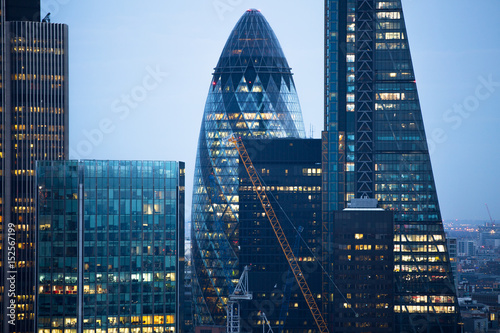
(22,10)
(363,265)
(110,246)
(291,172)
(374,145)
(252,94)
(34,126)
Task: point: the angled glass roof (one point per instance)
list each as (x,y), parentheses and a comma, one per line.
(253,47)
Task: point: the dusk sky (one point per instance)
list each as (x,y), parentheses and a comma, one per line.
(140,73)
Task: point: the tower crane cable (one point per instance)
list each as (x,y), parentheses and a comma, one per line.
(232,139)
(307,246)
(278,230)
(489,214)
(280,235)
(287,290)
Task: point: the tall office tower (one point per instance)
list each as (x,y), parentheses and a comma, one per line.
(252,94)
(453,253)
(291,172)
(34,126)
(110,246)
(363,265)
(375,146)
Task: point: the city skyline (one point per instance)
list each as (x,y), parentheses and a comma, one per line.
(138,74)
(439,63)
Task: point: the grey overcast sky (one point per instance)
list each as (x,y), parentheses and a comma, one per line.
(140,72)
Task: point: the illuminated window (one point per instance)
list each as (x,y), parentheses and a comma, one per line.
(388,5)
(257,89)
(389,15)
(390,96)
(394,35)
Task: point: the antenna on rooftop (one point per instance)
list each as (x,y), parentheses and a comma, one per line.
(46,19)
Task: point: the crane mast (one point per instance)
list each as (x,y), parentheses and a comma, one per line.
(489,214)
(265,322)
(280,234)
(241,292)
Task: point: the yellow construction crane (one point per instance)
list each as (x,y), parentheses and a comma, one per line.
(280,234)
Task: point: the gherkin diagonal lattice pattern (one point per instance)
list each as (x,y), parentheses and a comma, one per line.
(252,94)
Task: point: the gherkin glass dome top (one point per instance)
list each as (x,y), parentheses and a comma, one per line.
(252,94)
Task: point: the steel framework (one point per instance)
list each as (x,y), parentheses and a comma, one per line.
(265,322)
(241,292)
(365,102)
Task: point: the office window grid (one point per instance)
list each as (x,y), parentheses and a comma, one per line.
(286,167)
(402,172)
(128,227)
(34,122)
(363,262)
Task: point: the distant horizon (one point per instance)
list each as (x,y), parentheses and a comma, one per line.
(483,222)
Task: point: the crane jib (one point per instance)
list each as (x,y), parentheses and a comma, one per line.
(280,234)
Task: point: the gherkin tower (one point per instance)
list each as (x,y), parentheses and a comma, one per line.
(252,94)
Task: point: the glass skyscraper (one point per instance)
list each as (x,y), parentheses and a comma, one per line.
(110,246)
(291,172)
(252,94)
(33,126)
(375,146)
